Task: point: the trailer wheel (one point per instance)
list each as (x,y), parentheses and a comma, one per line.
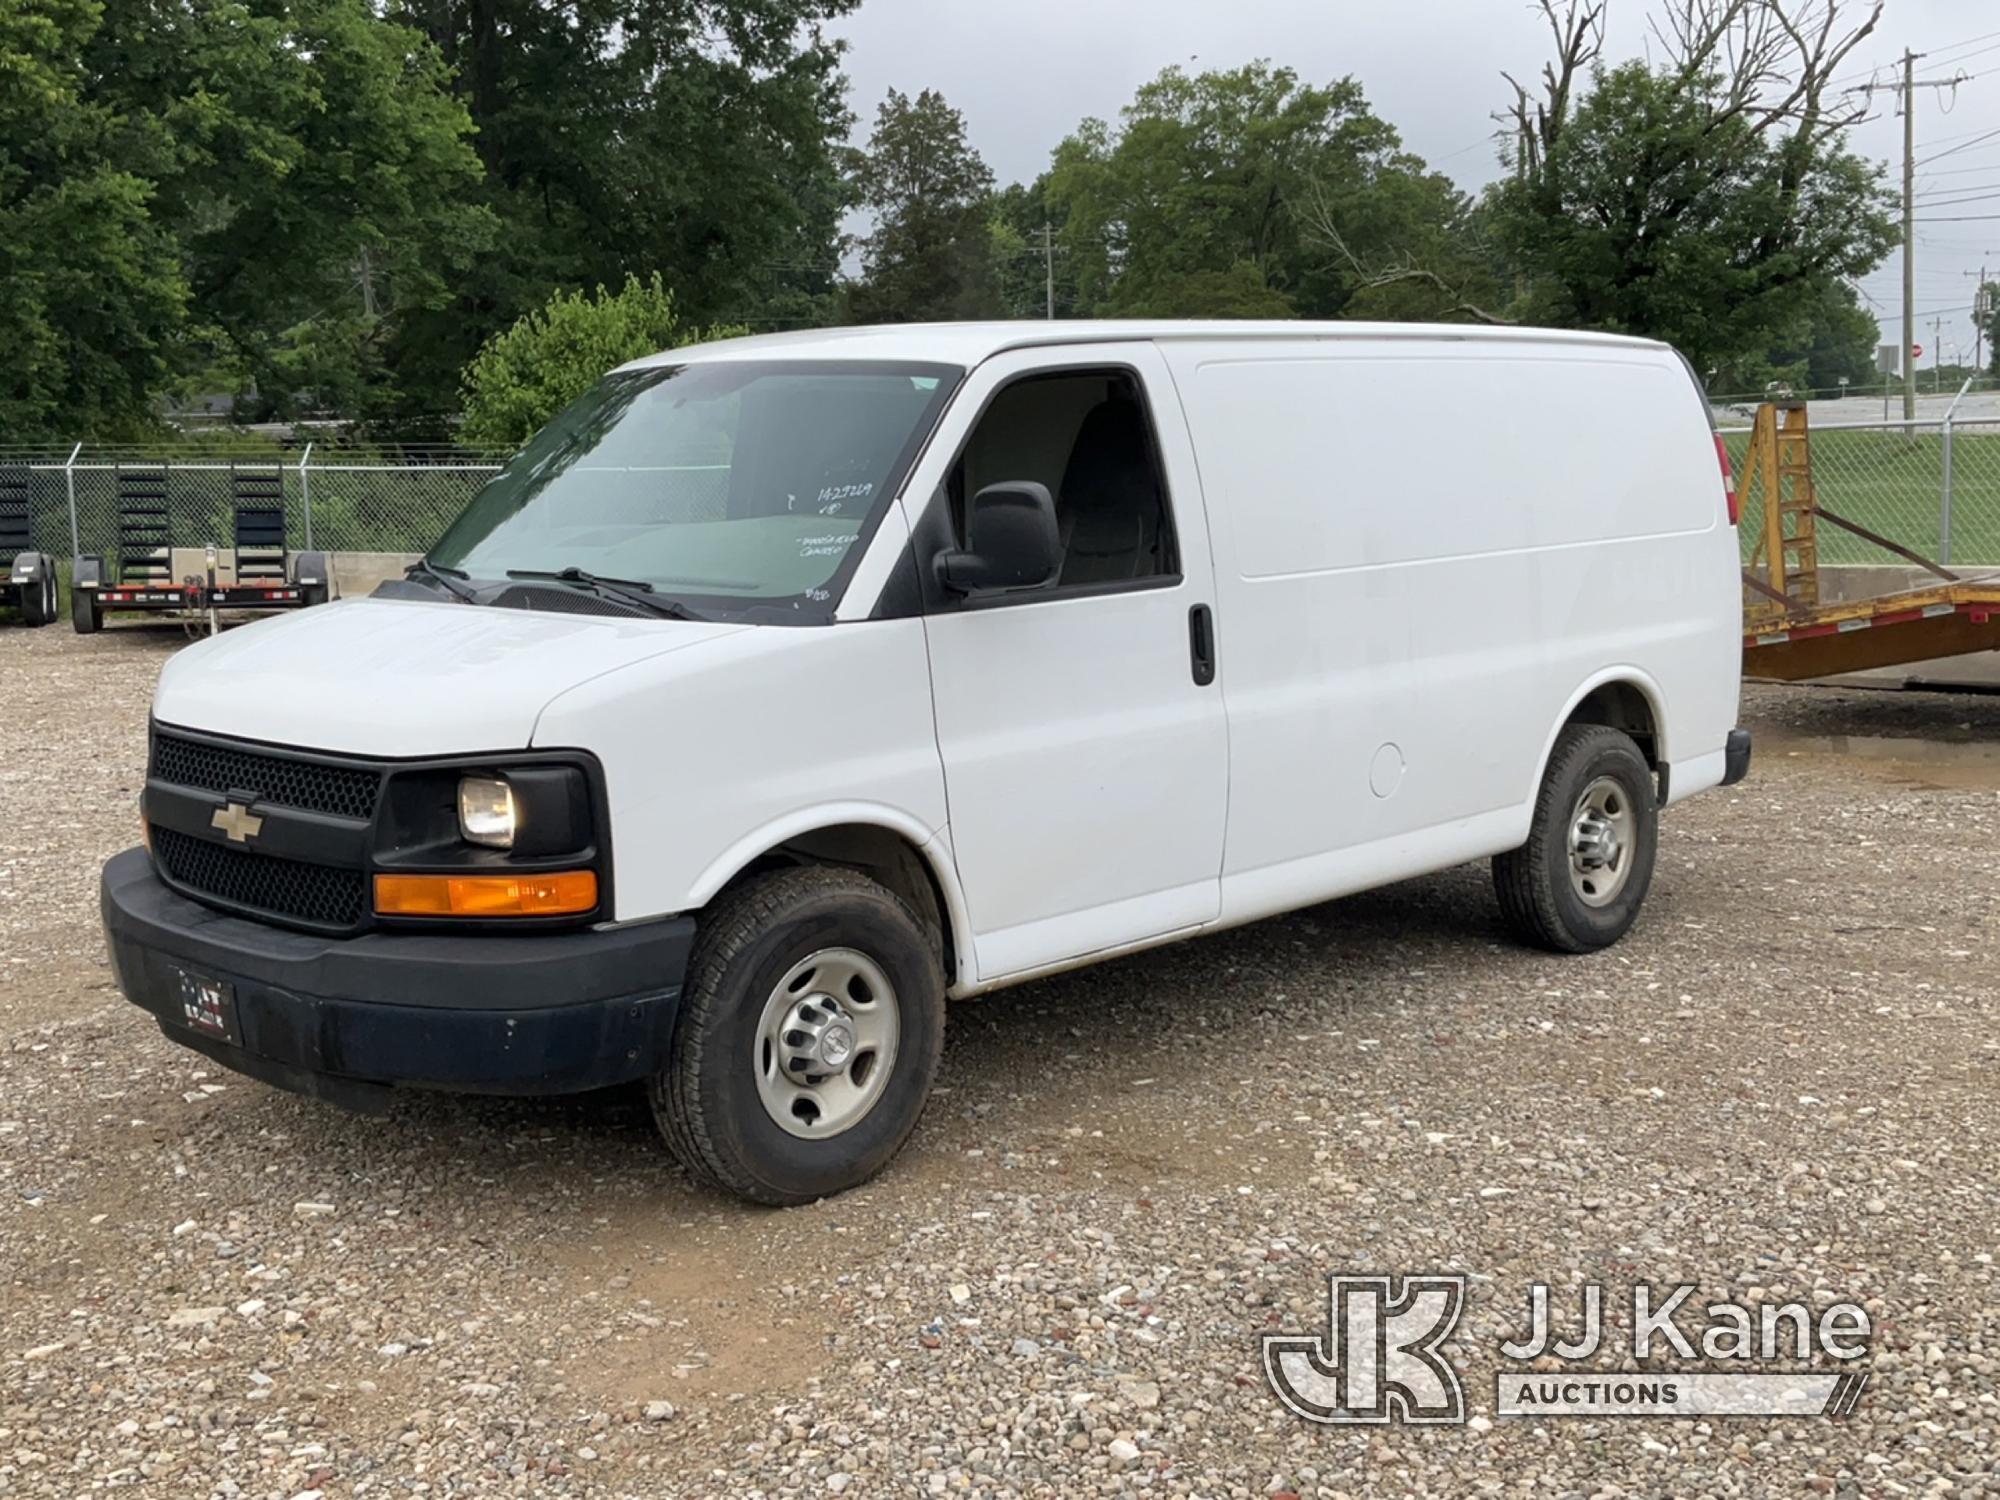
(83,611)
(808,1035)
(40,600)
(1578,883)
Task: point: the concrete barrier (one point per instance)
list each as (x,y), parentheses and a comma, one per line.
(355,574)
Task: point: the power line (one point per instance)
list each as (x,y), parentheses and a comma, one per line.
(1935,202)
(1905,89)
(1941,155)
(1945,140)
(1875,70)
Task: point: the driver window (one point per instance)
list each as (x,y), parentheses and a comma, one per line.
(1088,437)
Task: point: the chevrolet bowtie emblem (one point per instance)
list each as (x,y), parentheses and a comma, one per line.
(236,822)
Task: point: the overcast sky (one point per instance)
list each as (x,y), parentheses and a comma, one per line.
(1025,71)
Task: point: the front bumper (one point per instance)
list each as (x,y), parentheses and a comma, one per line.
(347,1019)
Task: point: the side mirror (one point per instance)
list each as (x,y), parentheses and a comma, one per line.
(1011,541)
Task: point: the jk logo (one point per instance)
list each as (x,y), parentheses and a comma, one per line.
(1379,1360)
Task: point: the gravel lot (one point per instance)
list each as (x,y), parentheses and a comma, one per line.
(1783,1080)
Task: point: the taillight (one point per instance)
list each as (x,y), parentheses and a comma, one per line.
(1728,480)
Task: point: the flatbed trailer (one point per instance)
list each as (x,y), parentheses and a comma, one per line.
(1948,620)
(1790,632)
(27,577)
(152,575)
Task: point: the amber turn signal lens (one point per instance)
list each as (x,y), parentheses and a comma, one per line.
(565,893)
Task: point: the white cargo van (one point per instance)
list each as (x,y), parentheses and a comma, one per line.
(786,686)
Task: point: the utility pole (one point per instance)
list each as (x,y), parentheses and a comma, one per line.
(1937,353)
(1049,266)
(1906,90)
(1982,309)
(1909,233)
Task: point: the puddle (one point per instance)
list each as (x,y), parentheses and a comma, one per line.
(1925,752)
(1960,763)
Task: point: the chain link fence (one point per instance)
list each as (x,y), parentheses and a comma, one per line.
(334,502)
(1933,487)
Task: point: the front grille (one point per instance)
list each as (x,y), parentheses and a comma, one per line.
(321,895)
(339,791)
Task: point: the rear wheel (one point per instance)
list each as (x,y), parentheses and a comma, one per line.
(1579,881)
(808,1036)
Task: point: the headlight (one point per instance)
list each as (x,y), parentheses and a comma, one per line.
(487,812)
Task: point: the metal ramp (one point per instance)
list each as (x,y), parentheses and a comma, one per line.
(257,496)
(1789,632)
(1781,464)
(145,535)
(16,524)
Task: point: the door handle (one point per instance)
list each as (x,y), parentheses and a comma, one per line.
(1201,644)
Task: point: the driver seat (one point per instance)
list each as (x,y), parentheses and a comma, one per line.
(1109,510)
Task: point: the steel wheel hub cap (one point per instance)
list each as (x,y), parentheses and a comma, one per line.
(1602,832)
(826,1043)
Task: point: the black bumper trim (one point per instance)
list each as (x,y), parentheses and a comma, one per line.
(552,1013)
(1736,757)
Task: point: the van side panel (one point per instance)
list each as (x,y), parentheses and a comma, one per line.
(1425,554)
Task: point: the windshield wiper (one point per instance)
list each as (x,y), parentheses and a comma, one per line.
(633,591)
(445,578)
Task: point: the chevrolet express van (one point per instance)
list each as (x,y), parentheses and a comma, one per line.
(784,687)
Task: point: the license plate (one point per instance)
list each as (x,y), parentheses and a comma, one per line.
(208,1006)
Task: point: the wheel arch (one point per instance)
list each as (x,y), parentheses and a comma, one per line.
(886,844)
(1625,698)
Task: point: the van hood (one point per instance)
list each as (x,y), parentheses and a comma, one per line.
(393,677)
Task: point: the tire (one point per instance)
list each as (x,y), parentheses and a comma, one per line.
(83,611)
(1547,900)
(708,1097)
(38,599)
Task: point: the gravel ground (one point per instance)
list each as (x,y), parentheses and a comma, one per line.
(1783,1080)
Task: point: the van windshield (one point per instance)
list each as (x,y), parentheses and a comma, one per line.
(748,489)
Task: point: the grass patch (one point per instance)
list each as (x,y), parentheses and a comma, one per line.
(1893,483)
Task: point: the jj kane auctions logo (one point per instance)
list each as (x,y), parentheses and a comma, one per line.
(1381,1358)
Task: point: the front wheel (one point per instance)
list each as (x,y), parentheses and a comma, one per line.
(808,1036)
(1579,881)
(83,611)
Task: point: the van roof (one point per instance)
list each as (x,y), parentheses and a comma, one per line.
(969,343)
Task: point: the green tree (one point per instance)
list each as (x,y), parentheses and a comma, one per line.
(1843,340)
(929,254)
(697,137)
(523,376)
(1834,336)
(1248,192)
(1023,272)
(314,169)
(1709,207)
(91,293)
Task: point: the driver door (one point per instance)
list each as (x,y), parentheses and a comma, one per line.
(1081,728)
